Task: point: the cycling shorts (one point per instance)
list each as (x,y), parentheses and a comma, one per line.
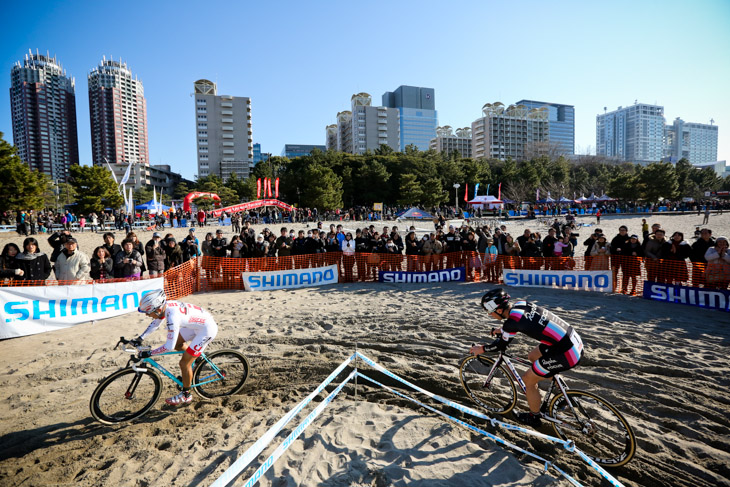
(199,339)
(553,362)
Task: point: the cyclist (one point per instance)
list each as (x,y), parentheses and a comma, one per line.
(560,346)
(185,322)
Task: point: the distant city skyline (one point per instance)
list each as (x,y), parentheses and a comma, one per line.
(295,94)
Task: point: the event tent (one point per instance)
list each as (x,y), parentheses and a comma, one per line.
(563,199)
(488,201)
(150,206)
(415,214)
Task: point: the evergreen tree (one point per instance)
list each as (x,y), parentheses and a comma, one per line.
(410,190)
(660,181)
(20,188)
(95,188)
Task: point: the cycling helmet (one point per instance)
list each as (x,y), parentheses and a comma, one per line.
(152,301)
(495,299)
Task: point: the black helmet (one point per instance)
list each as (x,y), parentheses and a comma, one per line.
(495,299)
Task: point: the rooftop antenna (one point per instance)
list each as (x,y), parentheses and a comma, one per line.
(712,121)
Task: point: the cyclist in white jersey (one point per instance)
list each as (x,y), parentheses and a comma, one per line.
(185,323)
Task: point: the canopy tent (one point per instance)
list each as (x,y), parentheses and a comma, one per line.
(415,214)
(563,199)
(605,197)
(151,206)
(582,199)
(251,205)
(546,200)
(486,201)
(508,201)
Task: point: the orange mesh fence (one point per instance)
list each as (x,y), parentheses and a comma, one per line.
(629,273)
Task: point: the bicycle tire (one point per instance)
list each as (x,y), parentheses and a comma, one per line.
(499,396)
(112,401)
(610,442)
(231,363)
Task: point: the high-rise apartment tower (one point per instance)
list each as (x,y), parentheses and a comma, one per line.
(509,132)
(634,133)
(418,117)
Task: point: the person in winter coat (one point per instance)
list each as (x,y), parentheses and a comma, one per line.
(600,252)
(190,249)
(155,255)
(655,250)
(697,255)
(633,252)
(138,247)
(717,273)
(34,263)
(8,267)
(174,254)
(72,264)
(102,264)
(56,241)
(112,248)
(677,250)
(129,261)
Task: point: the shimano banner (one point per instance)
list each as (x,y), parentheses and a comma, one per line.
(582,280)
(31,310)
(691,296)
(268,281)
(455,274)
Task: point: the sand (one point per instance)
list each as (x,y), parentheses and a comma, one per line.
(663,365)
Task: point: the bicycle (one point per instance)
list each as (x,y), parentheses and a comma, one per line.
(130,392)
(594,425)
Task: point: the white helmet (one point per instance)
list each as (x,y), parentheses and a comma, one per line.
(152,301)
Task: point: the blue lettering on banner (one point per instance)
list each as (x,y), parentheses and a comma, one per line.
(718,299)
(289,279)
(446,275)
(599,281)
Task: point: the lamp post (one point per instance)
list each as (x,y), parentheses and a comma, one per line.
(456,193)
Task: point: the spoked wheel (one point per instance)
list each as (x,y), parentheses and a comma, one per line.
(496,394)
(595,426)
(125,395)
(222,374)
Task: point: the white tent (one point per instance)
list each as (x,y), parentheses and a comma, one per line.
(486,201)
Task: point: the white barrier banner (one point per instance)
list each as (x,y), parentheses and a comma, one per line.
(36,309)
(601,281)
(270,280)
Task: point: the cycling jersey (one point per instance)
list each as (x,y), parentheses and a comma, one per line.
(192,322)
(560,345)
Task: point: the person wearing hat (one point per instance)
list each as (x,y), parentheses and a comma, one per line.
(72,264)
(155,252)
(219,244)
(191,236)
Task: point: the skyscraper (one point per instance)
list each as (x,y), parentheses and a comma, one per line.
(344,131)
(418,117)
(634,133)
(696,142)
(449,143)
(373,126)
(223,132)
(331,140)
(562,124)
(512,132)
(118,112)
(43,111)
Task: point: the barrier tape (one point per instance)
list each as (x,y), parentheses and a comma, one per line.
(295,434)
(569,445)
(254,450)
(497,439)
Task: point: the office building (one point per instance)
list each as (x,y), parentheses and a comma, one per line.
(158,175)
(373,126)
(118,115)
(515,131)
(259,156)
(298,150)
(696,142)
(418,117)
(634,133)
(43,113)
(721,168)
(448,142)
(562,124)
(223,132)
(344,131)
(331,138)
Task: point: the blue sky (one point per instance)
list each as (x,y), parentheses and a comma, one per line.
(301,61)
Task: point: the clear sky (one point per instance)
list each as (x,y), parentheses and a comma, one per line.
(300,61)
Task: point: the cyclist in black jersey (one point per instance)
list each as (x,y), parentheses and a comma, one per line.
(560,346)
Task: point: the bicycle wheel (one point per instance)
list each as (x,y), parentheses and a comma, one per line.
(496,394)
(125,395)
(595,426)
(223,374)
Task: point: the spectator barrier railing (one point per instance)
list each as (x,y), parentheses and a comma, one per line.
(221,273)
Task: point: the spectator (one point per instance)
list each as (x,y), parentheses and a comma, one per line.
(633,252)
(72,264)
(101,264)
(618,248)
(155,252)
(548,247)
(8,266)
(56,241)
(129,260)
(190,249)
(219,244)
(589,242)
(600,252)
(138,247)
(677,250)
(718,264)
(207,248)
(644,229)
(564,251)
(491,254)
(655,250)
(348,255)
(512,252)
(284,249)
(174,253)
(412,251)
(236,247)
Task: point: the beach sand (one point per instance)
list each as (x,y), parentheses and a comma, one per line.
(663,365)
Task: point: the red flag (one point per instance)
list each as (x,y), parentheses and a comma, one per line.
(499,191)
(276,186)
(258,188)
(269,185)
(466,192)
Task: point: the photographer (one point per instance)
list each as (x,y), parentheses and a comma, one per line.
(155,256)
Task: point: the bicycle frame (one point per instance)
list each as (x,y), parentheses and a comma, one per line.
(149,360)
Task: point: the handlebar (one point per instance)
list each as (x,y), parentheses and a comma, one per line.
(133,350)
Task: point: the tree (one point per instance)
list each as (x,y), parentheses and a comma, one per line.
(321,188)
(625,186)
(20,187)
(204,203)
(95,188)
(410,190)
(238,186)
(433,192)
(371,183)
(181,191)
(660,181)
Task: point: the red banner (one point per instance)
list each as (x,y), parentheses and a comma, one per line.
(499,192)
(269,185)
(253,204)
(276,193)
(258,188)
(466,192)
